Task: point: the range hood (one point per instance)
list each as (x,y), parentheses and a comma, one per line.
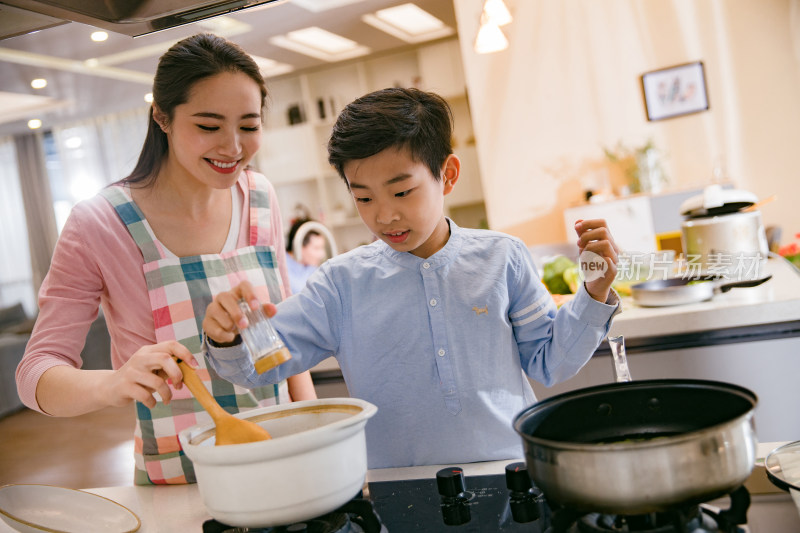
(128,17)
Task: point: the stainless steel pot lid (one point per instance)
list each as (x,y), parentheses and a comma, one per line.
(783,466)
(716,201)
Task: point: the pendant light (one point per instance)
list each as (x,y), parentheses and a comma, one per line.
(490,37)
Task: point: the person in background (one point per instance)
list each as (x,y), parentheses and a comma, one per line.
(435,324)
(312,254)
(153,249)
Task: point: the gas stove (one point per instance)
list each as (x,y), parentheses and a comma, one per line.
(451,502)
(508,502)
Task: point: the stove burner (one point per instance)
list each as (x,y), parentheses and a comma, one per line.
(691,521)
(686,519)
(356,516)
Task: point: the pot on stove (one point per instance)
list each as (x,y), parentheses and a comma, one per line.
(315,462)
(721,232)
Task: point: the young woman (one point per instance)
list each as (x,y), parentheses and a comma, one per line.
(154,249)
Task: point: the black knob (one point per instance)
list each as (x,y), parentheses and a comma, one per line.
(455,514)
(517,478)
(450,481)
(521,499)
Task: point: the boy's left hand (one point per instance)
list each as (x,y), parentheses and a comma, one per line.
(594,236)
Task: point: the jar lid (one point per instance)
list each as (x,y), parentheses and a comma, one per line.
(717,201)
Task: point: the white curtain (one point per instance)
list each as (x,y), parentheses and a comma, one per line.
(16,279)
(95,152)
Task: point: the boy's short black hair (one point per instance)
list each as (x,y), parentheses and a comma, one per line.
(399,118)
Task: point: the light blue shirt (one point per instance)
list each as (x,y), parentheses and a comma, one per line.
(298,273)
(439,345)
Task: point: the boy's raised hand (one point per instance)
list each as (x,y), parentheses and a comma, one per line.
(598,259)
(223,315)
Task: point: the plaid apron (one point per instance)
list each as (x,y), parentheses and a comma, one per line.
(180,289)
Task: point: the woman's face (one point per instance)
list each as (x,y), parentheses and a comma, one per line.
(314,251)
(216,133)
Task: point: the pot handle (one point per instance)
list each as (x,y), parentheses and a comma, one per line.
(747,283)
(621,370)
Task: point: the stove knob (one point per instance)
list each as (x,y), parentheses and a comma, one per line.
(521,499)
(517,478)
(450,481)
(454,503)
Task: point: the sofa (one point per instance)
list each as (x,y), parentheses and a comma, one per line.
(15,330)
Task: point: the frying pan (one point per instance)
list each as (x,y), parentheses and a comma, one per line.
(686,290)
(638,447)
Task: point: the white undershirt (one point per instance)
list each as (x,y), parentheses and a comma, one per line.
(233,231)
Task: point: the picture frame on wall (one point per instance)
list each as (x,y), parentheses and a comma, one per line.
(675,91)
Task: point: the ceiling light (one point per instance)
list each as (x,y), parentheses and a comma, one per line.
(322,40)
(270,67)
(496,12)
(34,123)
(148,98)
(409,23)
(322,5)
(39,83)
(99,36)
(490,39)
(321,44)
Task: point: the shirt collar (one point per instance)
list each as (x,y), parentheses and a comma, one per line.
(444,256)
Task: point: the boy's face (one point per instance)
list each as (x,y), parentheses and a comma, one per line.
(400,201)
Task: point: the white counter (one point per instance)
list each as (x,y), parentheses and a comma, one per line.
(179,508)
(777,300)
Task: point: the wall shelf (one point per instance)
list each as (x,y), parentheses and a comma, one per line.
(302,110)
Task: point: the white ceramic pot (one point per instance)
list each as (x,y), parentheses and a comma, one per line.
(315,462)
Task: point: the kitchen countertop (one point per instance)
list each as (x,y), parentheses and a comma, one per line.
(767,306)
(168,509)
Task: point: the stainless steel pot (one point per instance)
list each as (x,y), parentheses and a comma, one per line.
(640,447)
(728,237)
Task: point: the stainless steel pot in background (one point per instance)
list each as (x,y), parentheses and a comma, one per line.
(722,230)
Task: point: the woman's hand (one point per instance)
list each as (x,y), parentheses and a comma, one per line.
(594,236)
(224,318)
(147,372)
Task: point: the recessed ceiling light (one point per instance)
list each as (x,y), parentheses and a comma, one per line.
(39,83)
(322,5)
(270,67)
(34,123)
(321,44)
(99,36)
(409,23)
(148,98)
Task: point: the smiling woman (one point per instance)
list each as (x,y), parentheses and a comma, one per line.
(153,249)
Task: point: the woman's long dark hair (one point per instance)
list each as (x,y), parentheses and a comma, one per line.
(188,61)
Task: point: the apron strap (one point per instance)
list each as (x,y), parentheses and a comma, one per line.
(120,199)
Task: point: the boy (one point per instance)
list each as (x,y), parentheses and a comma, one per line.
(432,323)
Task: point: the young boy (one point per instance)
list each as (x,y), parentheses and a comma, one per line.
(435,324)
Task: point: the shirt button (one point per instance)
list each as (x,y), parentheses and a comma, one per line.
(433,302)
(426,265)
(441,352)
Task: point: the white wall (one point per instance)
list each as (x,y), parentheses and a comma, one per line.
(568,85)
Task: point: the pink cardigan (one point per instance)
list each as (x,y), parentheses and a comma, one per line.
(97,262)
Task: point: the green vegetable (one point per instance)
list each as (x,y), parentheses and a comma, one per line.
(553,275)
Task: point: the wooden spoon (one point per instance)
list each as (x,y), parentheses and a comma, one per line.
(230,430)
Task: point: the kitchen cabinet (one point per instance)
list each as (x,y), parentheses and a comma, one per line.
(639,223)
(302,109)
(748,336)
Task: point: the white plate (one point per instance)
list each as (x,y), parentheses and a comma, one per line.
(36,508)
